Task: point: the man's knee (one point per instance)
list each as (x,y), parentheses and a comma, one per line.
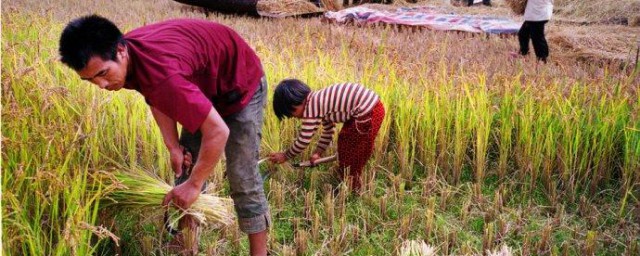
(255,224)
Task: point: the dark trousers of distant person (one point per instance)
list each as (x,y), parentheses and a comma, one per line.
(355,2)
(534,30)
(485,2)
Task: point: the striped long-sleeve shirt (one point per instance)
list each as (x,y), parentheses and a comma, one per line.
(335,104)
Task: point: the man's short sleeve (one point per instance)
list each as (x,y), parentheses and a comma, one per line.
(182,101)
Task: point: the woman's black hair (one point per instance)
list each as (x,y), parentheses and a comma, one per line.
(288,94)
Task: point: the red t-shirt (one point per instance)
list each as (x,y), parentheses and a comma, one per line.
(183,66)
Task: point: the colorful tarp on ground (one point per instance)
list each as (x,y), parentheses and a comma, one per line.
(426,16)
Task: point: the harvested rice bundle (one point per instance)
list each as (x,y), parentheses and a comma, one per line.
(634,21)
(416,248)
(517,6)
(503,251)
(282,8)
(142,191)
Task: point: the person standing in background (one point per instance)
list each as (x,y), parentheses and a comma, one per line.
(536,14)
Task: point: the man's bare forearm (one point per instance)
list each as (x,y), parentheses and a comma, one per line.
(214,139)
(168,129)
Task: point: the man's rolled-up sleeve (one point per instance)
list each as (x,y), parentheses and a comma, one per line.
(182,101)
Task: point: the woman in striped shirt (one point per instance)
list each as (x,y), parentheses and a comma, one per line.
(354,105)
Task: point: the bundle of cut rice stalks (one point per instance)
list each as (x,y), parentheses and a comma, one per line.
(503,251)
(517,6)
(143,191)
(284,8)
(416,248)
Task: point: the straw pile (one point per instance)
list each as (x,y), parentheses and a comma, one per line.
(579,42)
(605,11)
(503,251)
(144,192)
(634,21)
(283,8)
(416,248)
(517,6)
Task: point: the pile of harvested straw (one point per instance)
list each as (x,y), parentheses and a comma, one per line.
(416,248)
(282,8)
(503,251)
(605,11)
(634,21)
(579,42)
(142,191)
(517,6)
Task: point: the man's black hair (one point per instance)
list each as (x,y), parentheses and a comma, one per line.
(86,37)
(289,93)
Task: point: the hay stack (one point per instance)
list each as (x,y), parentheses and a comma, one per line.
(503,251)
(517,6)
(416,248)
(634,21)
(283,8)
(579,43)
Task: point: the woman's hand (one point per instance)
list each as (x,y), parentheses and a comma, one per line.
(278,158)
(314,158)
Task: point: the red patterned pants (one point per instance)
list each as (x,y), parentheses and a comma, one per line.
(355,144)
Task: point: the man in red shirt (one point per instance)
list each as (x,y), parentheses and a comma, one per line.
(200,74)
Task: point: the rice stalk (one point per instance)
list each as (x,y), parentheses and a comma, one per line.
(505,132)
(429,125)
(462,126)
(405,126)
(141,190)
(482,119)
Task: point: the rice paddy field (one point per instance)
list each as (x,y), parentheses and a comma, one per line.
(478,151)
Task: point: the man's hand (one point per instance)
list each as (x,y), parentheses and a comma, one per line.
(180,160)
(183,195)
(278,157)
(314,158)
